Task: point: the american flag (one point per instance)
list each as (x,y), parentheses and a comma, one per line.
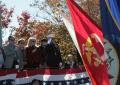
(45,76)
(7,77)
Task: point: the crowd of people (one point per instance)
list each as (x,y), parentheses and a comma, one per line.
(21,56)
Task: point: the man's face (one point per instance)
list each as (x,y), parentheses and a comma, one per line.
(21,44)
(12,40)
(32,42)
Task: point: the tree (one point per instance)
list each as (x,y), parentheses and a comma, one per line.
(5,15)
(91,7)
(54,9)
(40,30)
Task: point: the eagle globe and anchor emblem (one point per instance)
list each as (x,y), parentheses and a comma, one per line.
(111,57)
(112,62)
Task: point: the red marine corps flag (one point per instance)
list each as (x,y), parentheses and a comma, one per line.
(90,42)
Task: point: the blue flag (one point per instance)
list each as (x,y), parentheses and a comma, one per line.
(110,17)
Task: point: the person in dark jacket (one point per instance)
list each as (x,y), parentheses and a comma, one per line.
(43,53)
(32,58)
(54,56)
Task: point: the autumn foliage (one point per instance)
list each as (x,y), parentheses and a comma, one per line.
(39,30)
(5,16)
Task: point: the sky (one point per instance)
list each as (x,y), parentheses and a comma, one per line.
(19,6)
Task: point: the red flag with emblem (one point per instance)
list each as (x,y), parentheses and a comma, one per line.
(90,40)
